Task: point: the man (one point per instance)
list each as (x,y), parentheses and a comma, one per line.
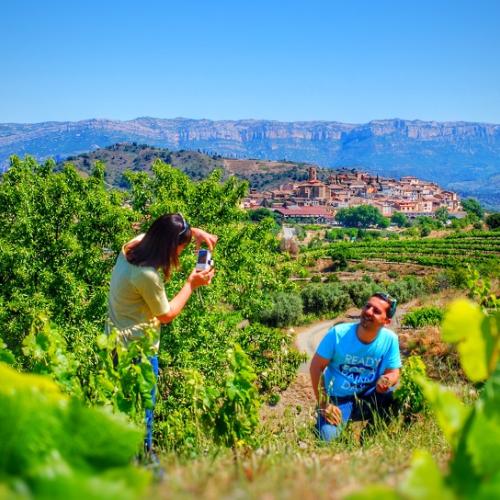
(360,365)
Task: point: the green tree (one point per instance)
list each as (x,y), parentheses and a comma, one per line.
(363,216)
(261,213)
(493,220)
(442,214)
(472,206)
(61,234)
(401,220)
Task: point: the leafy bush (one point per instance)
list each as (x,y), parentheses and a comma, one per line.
(322,298)
(286,310)
(406,289)
(55,447)
(493,220)
(56,256)
(423,316)
(409,394)
(271,355)
(360,291)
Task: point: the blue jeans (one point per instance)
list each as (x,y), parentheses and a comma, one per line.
(355,408)
(148,440)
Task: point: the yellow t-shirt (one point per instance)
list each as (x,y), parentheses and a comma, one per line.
(136,297)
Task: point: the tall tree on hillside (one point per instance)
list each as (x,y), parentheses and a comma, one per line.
(472,206)
(362,216)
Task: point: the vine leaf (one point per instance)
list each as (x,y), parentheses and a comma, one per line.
(425,479)
(463,324)
(451,413)
(483,439)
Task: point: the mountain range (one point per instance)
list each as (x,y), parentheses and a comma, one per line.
(461,156)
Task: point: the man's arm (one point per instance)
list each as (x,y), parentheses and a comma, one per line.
(332,413)
(318,364)
(388,379)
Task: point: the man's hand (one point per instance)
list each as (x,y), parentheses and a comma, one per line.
(387,380)
(201,236)
(332,414)
(383,384)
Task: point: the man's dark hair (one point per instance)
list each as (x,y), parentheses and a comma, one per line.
(393,303)
(158,247)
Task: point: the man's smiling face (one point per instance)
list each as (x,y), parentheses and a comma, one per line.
(374,313)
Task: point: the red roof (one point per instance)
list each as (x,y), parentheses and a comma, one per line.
(304,211)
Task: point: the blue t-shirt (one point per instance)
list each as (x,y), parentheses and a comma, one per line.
(355,366)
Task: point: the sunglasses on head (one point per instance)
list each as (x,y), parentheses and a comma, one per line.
(185,225)
(393,303)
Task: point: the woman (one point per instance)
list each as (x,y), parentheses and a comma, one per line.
(137,298)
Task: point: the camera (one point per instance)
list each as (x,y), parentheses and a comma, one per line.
(204,260)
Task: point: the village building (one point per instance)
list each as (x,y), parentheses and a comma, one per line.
(314,199)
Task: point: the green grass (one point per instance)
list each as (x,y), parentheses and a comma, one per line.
(292,463)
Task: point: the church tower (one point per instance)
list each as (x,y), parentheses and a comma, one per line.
(313,174)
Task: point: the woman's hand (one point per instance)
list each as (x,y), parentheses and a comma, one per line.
(201,278)
(201,236)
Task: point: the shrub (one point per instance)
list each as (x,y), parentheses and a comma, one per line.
(409,394)
(285,310)
(493,220)
(423,316)
(360,291)
(406,289)
(324,298)
(339,259)
(271,356)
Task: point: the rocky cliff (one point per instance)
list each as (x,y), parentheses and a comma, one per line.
(460,155)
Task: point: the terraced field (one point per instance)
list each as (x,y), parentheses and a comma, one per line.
(476,247)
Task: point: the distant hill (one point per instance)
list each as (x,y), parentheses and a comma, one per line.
(120,157)
(461,156)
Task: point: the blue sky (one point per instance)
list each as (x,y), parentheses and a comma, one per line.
(350,61)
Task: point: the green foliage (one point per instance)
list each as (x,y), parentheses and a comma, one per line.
(271,355)
(238,413)
(423,316)
(361,216)
(61,238)
(360,291)
(472,206)
(406,289)
(409,394)
(56,251)
(476,343)
(323,298)
(442,214)
(493,220)
(286,309)
(261,213)
(339,259)
(401,220)
(54,447)
(6,355)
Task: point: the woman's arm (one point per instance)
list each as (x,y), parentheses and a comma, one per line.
(201,236)
(194,281)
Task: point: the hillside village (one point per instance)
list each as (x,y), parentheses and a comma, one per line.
(318,201)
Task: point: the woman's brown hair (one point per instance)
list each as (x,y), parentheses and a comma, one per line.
(158,247)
